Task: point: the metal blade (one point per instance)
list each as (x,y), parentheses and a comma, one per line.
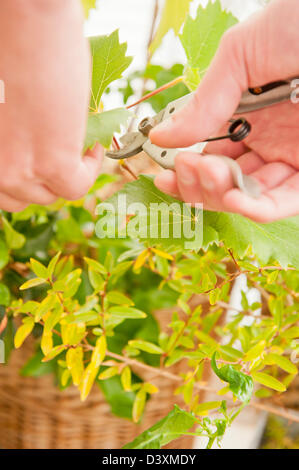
(133,145)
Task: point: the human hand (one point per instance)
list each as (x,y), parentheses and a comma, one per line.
(264,49)
(45,69)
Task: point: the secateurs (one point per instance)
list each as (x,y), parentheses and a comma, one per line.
(252,100)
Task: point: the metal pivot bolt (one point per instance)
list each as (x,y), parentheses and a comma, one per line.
(146,125)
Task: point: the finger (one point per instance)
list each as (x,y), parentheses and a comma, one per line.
(166,181)
(186,165)
(10,204)
(215,100)
(273,174)
(32,193)
(73,182)
(250,162)
(226,147)
(277,203)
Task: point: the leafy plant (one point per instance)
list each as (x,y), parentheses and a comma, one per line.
(90,300)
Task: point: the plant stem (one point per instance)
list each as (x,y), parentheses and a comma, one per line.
(155,92)
(126,167)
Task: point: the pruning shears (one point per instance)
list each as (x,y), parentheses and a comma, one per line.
(252,100)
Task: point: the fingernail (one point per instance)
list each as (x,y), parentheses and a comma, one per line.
(187,176)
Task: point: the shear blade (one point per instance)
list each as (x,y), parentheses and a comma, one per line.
(133,143)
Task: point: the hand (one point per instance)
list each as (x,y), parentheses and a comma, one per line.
(262,50)
(45,69)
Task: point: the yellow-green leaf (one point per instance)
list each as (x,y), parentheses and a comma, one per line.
(163,254)
(139,405)
(145,346)
(126,379)
(203,408)
(268,381)
(23,332)
(72,334)
(173,16)
(108,373)
(74,360)
(36,281)
(87,6)
(150,388)
(96,266)
(14,239)
(99,351)
(283,362)
(255,352)
(291,333)
(38,268)
(88,379)
(47,342)
(116,297)
(52,265)
(140,260)
(54,352)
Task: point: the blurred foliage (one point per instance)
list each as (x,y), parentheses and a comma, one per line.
(280,435)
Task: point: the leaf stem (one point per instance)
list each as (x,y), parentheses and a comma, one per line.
(155,92)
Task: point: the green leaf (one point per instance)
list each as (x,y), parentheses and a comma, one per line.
(14,239)
(109,61)
(204,408)
(173,16)
(87,6)
(145,346)
(115,297)
(36,281)
(200,39)
(38,268)
(165,224)
(101,127)
(4,254)
(268,381)
(281,361)
(96,266)
(175,424)
(82,317)
(96,280)
(126,312)
(276,307)
(240,384)
(277,241)
(52,265)
(4,295)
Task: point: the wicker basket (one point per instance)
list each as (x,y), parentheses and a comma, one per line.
(34,414)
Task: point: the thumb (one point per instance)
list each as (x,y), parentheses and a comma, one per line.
(215,100)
